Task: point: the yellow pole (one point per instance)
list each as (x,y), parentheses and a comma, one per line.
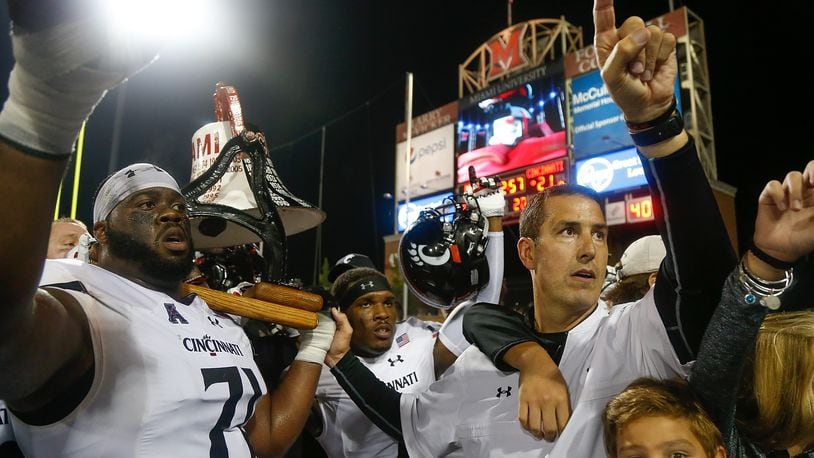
(59,197)
(80,142)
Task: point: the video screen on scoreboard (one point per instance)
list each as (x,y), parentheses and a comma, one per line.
(513,127)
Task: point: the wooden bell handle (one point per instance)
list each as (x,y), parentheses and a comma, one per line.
(254,308)
(290,297)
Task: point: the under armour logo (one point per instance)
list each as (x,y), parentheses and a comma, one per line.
(394,361)
(214,321)
(501,392)
(130,174)
(173,315)
(367,284)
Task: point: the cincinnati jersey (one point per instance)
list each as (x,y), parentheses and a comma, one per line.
(473,408)
(407,367)
(171,379)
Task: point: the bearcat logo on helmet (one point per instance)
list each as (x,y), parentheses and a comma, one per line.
(443,259)
(421,254)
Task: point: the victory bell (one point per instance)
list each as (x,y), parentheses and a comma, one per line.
(235,196)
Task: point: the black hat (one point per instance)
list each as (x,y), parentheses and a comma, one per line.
(348,262)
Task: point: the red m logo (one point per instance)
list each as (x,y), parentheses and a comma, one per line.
(506,51)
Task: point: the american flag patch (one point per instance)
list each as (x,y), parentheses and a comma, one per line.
(403,340)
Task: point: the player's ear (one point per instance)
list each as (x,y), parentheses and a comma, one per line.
(525,250)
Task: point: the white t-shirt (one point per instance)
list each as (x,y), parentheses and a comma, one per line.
(170,380)
(473,408)
(452,333)
(407,367)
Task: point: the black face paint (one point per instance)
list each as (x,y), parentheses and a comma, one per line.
(141,218)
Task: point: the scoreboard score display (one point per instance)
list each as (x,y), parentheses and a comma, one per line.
(639,209)
(519,185)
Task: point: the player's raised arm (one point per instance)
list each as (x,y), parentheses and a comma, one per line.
(63,67)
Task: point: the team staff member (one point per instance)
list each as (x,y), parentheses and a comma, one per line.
(65,235)
(111,359)
(563,245)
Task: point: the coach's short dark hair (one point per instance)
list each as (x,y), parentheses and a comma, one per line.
(534,215)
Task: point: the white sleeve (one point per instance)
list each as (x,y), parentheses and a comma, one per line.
(495,258)
(452,332)
(429,418)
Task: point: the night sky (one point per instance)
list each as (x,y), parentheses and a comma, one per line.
(303,65)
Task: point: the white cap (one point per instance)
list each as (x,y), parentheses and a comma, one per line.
(642,256)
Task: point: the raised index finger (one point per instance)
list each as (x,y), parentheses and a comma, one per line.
(604,16)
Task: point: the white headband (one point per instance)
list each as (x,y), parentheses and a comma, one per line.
(128,181)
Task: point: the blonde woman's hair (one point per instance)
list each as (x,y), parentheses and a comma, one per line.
(776,406)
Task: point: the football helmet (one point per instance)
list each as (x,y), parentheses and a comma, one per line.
(442,255)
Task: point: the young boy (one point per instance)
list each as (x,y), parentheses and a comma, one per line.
(659,418)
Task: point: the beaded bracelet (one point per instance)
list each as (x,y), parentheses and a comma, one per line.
(763,291)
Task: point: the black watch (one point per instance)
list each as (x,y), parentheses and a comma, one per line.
(669,128)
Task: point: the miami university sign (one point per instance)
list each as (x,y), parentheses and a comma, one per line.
(519,47)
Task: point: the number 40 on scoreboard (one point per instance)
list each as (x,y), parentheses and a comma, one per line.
(639,209)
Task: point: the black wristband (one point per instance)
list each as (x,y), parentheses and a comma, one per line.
(660,119)
(669,128)
(769,259)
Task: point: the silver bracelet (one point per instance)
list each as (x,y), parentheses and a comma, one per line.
(763,291)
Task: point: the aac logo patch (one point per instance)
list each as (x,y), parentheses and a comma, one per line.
(173,315)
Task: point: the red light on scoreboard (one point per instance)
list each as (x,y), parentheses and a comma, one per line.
(639,209)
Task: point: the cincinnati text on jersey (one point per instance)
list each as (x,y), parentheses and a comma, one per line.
(402,382)
(207,344)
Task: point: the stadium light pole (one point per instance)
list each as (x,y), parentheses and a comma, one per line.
(408,114)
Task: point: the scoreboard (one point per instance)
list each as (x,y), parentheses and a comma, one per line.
(519,186)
